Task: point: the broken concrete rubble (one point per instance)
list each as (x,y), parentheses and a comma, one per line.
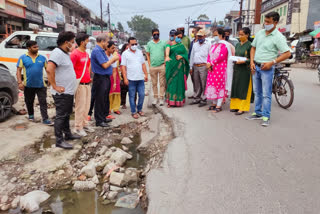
(84,186)
(117,179)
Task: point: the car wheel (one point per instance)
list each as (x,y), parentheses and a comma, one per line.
(5,105)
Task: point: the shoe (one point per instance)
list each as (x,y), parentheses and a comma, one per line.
(234,110)
(161,103)
(194,102)
(108,120)
(80,132)
(89,129)
(265,122)
(239,113)
(110,117)
(254,116)
(31,118)
(64,145)
(103,124)
(89,118)
(201,104)
(48,122)
(155,101)
(72,137)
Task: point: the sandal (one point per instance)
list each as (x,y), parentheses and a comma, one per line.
(212,108)
(135,116)
(124,107)
(217,110)
(141,113)
(117,112)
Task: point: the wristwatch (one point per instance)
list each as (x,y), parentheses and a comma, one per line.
(274,61)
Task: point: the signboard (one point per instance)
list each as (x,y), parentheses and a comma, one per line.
(95,31)
(15,10)
(49,16)
(2,4)
(60,15)
(267,5)
(305,38)
(33,17)
(317,25)
(202,22)
(21,2)
(289,13)
(70,27)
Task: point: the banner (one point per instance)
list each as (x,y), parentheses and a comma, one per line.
(95,31)
(70,27)
(49,16)
(15,10)
(2,4)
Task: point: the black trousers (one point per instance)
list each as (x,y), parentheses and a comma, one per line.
(64,105)
(92,101)
(124,92)
(101,85)
(29,96)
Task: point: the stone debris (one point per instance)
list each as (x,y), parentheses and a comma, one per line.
(112,195)
(5,207)
(15,202)
(95,179)
(117,179)
(4,199)
(89,170)
(108,167)
(124,148)
(126,141)
(131,176)
(129,201)
(31,201)
(119,157)
(116,189)
(103,150)
(84,186)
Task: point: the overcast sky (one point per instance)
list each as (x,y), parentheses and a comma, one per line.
(123,10)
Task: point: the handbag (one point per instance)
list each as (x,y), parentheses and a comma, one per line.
(78,80)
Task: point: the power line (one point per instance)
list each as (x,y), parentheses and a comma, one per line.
(180,7)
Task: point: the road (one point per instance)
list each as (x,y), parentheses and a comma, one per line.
(222,163)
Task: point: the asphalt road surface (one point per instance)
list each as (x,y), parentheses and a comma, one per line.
(222,163)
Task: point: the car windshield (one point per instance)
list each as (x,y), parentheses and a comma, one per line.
(46,43)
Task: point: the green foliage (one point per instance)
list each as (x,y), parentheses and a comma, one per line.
(142,27)
(221,23)
(203,17)
(120,27)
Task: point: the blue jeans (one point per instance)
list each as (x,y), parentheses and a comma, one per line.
(136,86)
(262,87)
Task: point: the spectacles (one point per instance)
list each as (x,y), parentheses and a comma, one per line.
(156,34)
(135,44)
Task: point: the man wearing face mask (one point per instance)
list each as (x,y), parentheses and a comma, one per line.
(198,63)
(264,52)
(171,36)
(155,56)
(102,68)
(226,38)
(185,39)
(62,78)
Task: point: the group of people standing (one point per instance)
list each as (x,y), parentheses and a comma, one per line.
(219,71)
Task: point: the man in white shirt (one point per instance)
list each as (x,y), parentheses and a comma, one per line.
(134,72)
(198,62)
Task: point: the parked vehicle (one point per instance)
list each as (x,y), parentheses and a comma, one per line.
(293,58)
(8,93)
(15,45)
(282,87)
(319,72)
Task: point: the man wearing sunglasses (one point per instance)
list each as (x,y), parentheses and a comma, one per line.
(155,56)
(134,72)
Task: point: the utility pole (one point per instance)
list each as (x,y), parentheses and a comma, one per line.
(240,20)
(188,22)
(101,24)
(109,22)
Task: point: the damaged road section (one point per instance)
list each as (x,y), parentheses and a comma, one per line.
(110,165)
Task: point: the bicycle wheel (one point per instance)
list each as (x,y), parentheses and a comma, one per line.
(284,92)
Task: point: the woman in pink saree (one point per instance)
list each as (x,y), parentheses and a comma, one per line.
(217,64)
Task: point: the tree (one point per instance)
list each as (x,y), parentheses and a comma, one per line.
(120,27)
(221,23)
(142,27)
(203,17)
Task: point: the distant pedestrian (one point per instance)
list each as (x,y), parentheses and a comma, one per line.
(62,78)
(264,55)
(32,65)
(185,39)
(177,71)
(198,68)
(102,68)
(242,81)
(124,87)
(81,63)
(217,75)
(134,73)
(155,56)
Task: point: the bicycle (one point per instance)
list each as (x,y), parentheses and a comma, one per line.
(282,87)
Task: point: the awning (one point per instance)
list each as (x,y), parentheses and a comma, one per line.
(315,33)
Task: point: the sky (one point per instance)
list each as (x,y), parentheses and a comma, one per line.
(123,10)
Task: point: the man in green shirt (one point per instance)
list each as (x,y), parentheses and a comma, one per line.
(155,56)
(185,39)
(264,55)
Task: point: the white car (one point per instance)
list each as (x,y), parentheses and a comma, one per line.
(15,45)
